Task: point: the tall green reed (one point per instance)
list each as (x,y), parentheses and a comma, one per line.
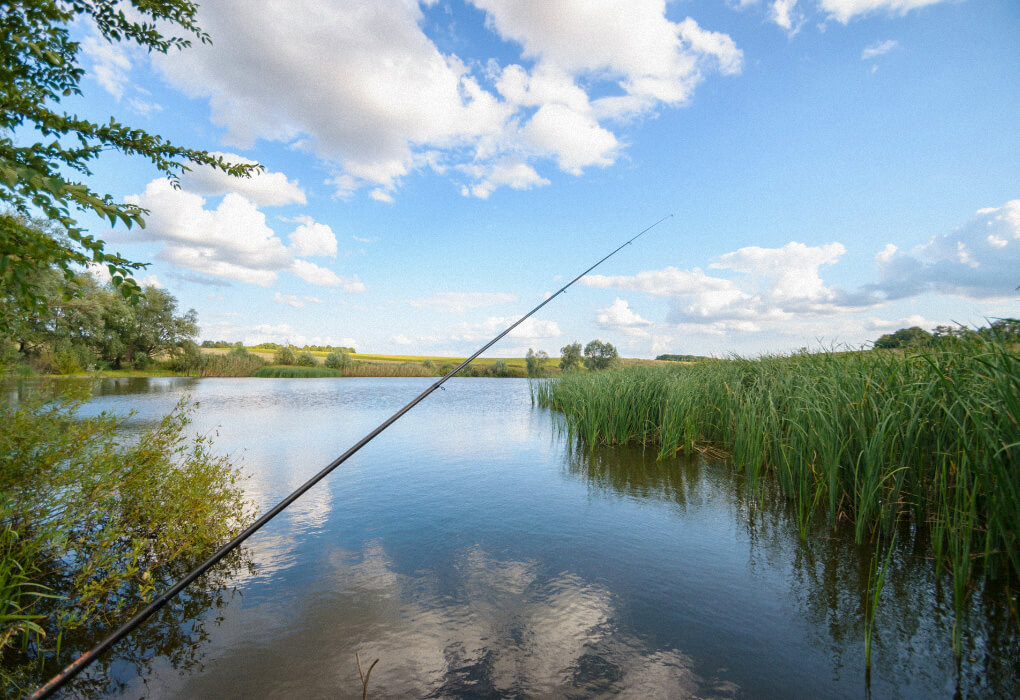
(928,438)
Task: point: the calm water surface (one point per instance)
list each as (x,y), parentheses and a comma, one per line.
(475,554)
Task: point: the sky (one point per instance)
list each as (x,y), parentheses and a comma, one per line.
(831,170)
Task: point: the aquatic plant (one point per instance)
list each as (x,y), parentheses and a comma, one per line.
(929,438)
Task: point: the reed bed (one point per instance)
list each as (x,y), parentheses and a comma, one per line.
(928,440)
(231,364)
(288,372)
(359,368)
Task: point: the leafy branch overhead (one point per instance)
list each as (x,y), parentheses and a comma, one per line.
(46,153)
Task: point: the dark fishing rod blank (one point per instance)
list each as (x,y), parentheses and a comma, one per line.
(76,666)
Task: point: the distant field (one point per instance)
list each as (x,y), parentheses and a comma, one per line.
(551,364)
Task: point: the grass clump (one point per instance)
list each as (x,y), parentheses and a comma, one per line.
(92,525)
(929,438)
(277,372)
(239,362)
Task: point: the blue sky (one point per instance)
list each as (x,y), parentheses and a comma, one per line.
(836,169)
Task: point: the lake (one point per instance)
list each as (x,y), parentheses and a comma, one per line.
(476,553)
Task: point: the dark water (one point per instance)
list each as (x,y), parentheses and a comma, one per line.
(475,554)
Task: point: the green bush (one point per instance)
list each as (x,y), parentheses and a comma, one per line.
(338,360)
(306,359)
(93,523)
(285,356)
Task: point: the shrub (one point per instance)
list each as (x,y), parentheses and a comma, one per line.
(306,359)
(234,364)
(338,360)
(285,356)
(93,523)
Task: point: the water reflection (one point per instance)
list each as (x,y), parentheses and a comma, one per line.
(827,577)
(635,473)
(492,627)
(477,554)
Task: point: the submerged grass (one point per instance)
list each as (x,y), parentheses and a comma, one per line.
(930,438)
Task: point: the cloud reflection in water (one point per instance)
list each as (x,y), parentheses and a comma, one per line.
(490,627)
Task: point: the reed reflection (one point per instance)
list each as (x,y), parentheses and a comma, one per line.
(827,575)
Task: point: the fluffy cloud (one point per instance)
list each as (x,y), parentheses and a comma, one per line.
(846,10)
(781,290)
(784,13)
(618,316)
(371,95)
(773,286)
(231,241)
(265,189)
(459,302)
(366,87)
(979,260)
(531,329)
(313,239)
(313,274)
(513,173)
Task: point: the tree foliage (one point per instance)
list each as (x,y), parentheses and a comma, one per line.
(340,360)
(535,362)
(570,357)
(46,153)
(599,355)
(904,338)
(82,322)
(285,356)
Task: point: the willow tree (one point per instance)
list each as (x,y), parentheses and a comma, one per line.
(46,153)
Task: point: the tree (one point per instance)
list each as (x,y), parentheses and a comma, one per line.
(535,362)
(501,369)
(285,356)
(306,359)
(338,359)
(904,338)
(599,355)
(39,66)
(570,357)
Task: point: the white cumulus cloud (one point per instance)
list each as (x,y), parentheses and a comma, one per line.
(618,316)
(313,239)
(979,260)
(232,240)
(266,189)
(375,99)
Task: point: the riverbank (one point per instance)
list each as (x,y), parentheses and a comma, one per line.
(253,362)
(921,444)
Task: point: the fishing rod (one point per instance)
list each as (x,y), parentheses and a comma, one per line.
(79,664)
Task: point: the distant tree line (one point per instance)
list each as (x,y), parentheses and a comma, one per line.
(273,347)
(681,358)
(85,324)
(1007,329)
(596,355)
